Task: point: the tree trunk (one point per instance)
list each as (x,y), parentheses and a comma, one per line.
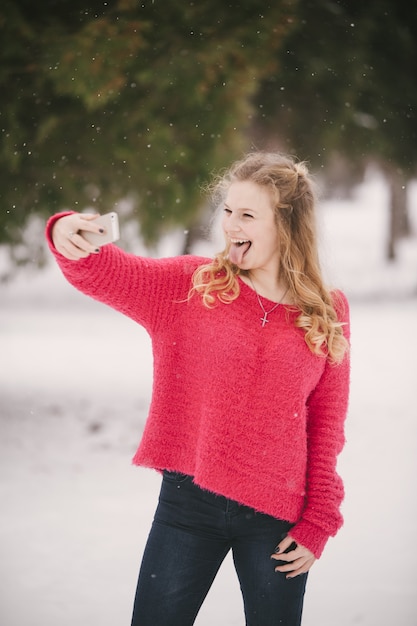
(198,229)
(192,235)
(399,220)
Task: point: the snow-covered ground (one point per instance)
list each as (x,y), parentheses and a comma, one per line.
(74,387)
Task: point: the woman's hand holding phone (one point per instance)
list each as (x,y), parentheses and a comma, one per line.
(78,235)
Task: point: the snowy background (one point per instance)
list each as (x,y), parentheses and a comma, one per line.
(74,388)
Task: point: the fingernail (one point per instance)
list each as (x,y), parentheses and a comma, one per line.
(101,230)
(97,250)
(277,549)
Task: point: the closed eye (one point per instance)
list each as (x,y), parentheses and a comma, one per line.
(246,215)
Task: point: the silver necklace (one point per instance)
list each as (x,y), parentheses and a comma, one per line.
(265,319)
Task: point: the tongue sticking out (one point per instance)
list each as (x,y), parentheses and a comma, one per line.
(237,252)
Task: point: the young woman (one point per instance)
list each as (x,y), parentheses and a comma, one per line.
(251,378)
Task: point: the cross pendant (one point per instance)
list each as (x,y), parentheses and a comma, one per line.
(264,319)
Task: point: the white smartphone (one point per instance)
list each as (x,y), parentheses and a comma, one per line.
(110,223)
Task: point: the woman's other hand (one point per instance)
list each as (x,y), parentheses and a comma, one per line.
(67,239)
(298,561)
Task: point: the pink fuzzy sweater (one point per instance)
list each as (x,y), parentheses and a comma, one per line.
(248,411)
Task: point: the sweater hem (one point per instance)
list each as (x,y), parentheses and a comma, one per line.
(291,512)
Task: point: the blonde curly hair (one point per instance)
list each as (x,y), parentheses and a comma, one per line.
(293,193)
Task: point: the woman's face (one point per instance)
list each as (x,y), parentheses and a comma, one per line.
(250,228)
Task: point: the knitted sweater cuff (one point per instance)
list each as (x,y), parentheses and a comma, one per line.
(310,536)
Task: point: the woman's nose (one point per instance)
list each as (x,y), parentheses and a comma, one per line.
(232,224)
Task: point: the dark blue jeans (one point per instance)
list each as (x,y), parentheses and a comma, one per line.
(191,534)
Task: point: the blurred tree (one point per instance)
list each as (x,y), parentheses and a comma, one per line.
(345,95)
(108,100)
